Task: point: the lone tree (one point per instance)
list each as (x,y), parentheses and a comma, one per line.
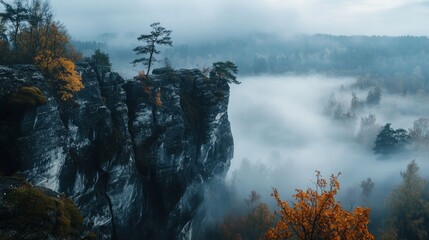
(390,140)
(224,71)
(158,36)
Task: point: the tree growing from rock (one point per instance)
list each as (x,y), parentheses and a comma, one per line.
(157,37)
(100,61)
(224,71)
(315,214)
(62,73)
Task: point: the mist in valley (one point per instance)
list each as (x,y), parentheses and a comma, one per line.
(336,87)
(284,130)
(283,133)
(301,107)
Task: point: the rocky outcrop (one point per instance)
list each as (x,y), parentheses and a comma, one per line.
(133,155)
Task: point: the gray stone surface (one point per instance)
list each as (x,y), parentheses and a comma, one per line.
(135,168)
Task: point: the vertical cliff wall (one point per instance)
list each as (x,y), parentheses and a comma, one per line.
(133,155)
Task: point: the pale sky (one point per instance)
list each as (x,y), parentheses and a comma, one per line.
(203,20)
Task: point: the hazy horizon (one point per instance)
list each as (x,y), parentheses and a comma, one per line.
(194,21)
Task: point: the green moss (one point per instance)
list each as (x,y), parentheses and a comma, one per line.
(27,97)
(39,214)
(69,218)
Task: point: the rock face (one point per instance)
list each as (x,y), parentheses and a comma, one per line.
(133,155)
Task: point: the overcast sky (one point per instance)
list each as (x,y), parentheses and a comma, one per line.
(216,19)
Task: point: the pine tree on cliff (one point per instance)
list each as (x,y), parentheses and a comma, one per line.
(158,36)
(224,71)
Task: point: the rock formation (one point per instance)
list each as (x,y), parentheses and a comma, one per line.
(133,155)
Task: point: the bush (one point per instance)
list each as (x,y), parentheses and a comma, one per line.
(62,72)
(315,214)
(27,97)
(36,214)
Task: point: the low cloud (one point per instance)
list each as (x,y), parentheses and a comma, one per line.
(282,134)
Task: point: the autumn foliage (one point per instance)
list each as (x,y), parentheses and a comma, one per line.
(62,71)
(315,214)
(29,34)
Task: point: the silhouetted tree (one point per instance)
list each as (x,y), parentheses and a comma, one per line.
(224,71)
(390,140)
(158,36)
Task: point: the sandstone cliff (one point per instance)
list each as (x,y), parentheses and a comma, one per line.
(134,156)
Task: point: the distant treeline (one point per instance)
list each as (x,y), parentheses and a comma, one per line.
(397,64)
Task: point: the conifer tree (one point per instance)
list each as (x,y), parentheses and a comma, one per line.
(158,36)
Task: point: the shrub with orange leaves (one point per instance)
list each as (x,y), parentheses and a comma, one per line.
(157,101)
(62,71)
(141,76)
(316,214)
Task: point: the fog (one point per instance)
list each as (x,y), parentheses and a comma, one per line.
(283,133)
(300,62)
(120,22)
